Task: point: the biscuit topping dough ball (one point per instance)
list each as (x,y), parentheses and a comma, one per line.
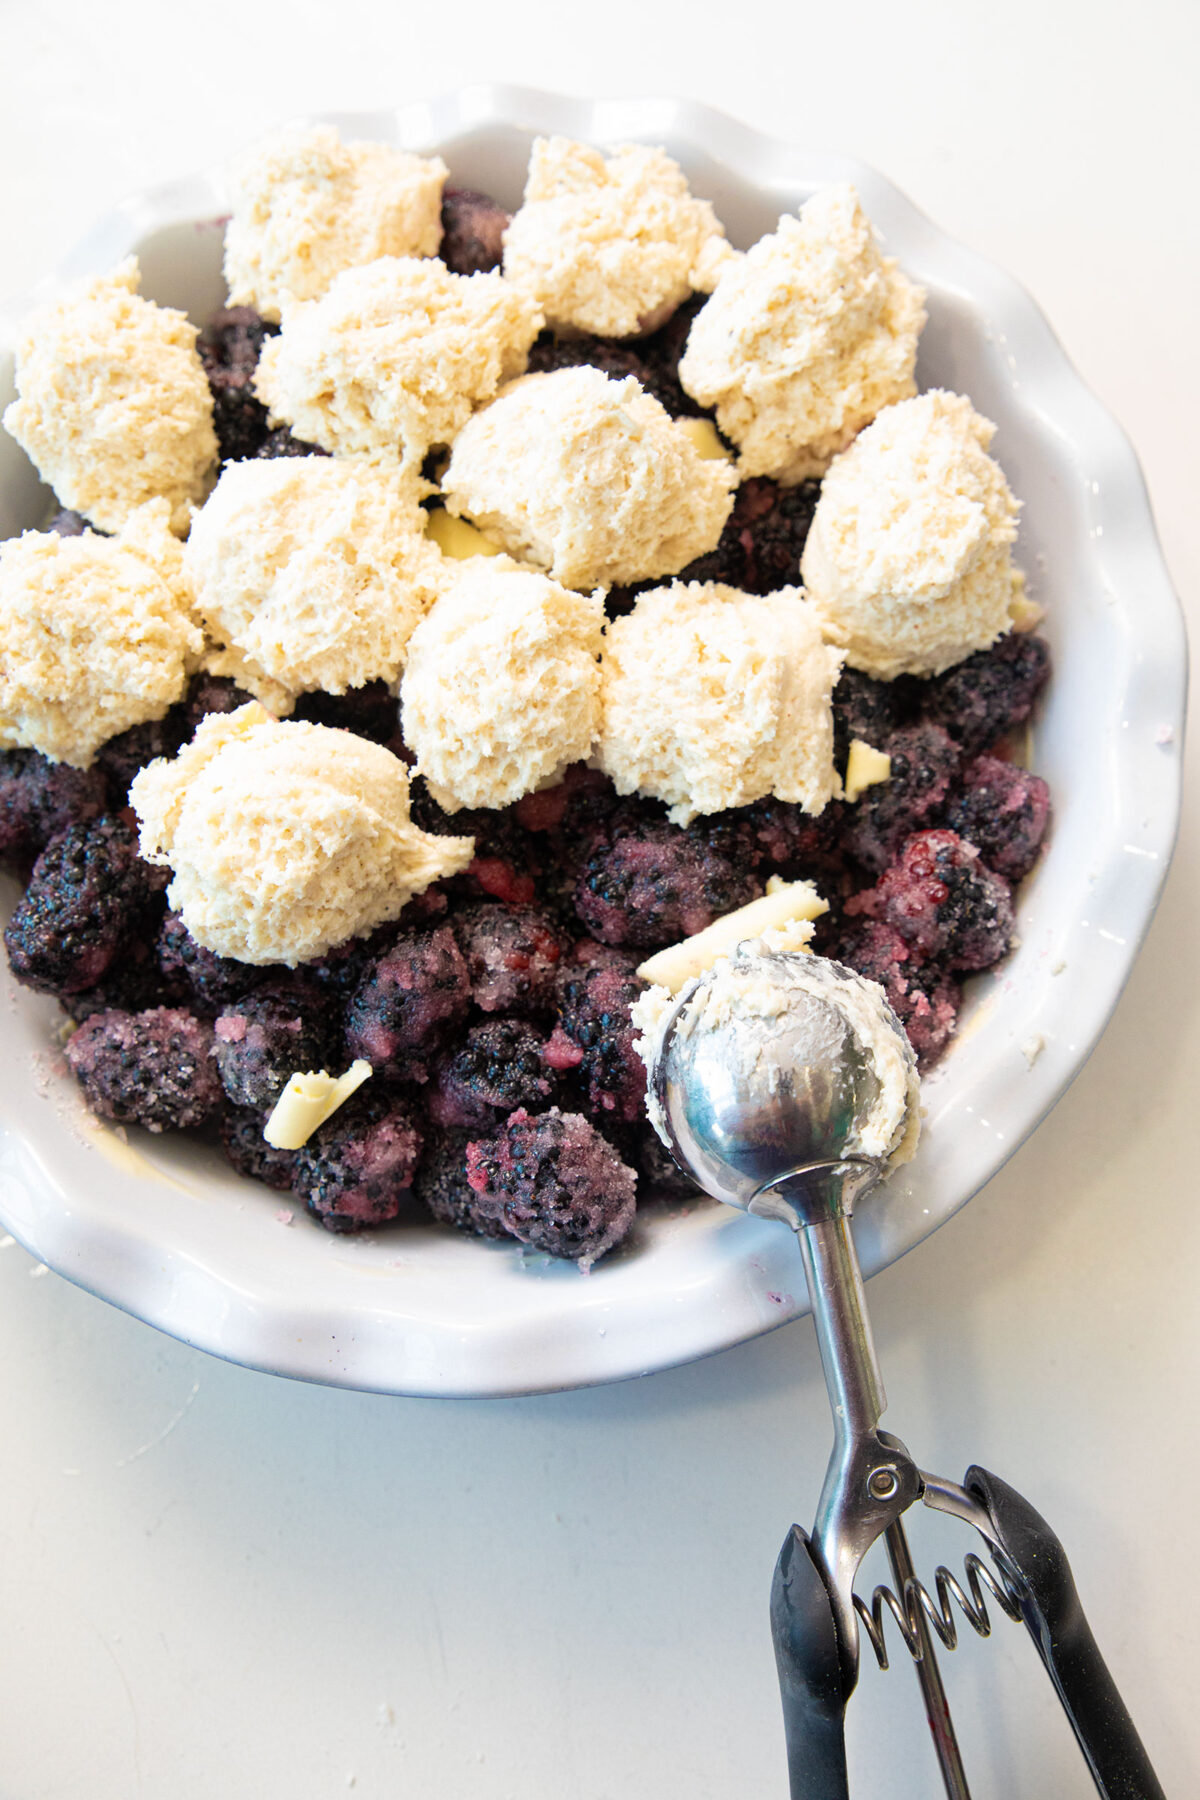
(97,634)
(306,206)
(114,408)
(611,244)
(395,356)
(805,338)
(285,839)
(908,559)
(314,570)
(589,479)
(502,687)
(711,698)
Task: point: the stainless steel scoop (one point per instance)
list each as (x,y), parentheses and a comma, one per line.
(763,1110)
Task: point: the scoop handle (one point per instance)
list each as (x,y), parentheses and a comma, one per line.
(812,1683)
(1055,1621)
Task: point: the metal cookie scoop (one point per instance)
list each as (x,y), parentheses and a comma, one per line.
(765,1109)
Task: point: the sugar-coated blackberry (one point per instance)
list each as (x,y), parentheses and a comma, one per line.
(248,1150)
(989,694)
(229,347)
(616,360)
(88,895)
(264,1038)
(212,981)
(553,1182)
(407,1002)
(356,1169)
(574,812)
(40,798)
(925,761)
(654,883)
(123,756)
(441,1184)
(150,1068)
(870,710)
(763,538)
(1004,812)
(473,227)
(506,859)
(280,442)
(370,711)
(922,995)
(208,694)
(943,899)
(597,985)
(512,955)
(497,1068)
(785,840)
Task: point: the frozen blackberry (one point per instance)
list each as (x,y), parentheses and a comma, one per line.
(925,761)
(441,1184)
(248,1150)
(39,798)
(922,995)
(760,547)
(263,1039)
(870,710)
(371,711)
(512,954)
(660,353)
(89,894)
(123,756)
(280,442)
(473,227)
(944,900)
(497,1069)
(617,361)
(654,883)
(208,694)
(574,812)
(341,969)
(596,988)
(212,981)
(1004,812)
(506,860)
(553,1182)
(150,1068)
(229,347)
(355,1170)
(134,983)
(991,693)
(786,840)
(407,1001)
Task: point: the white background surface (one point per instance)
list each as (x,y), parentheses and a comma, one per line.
(213,1583)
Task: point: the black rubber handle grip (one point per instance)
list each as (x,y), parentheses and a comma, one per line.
(812,1685)
(1055,1620)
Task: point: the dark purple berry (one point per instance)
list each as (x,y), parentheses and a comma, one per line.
(123,756)
(441,1184)
(263,1039)
(512,955)
(596,988)
(870,710)
(473,227)
(991,693)
(39,798)
(356,1168)
(498,1068)
(208,694)
(944,900)
(150,1068)
(922,995)
(89,894)
(1004,812)
(925,763)
(229,347)
(408,1001)
(371,711)
(213,981)
(248,1150)
(653,884)
(553,1182)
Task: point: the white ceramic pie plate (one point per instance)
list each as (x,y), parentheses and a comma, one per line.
(166,1231)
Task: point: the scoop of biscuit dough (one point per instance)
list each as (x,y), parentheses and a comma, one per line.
(306,206)
(589,479)
(394,357)
(314,570)
(805,338)
(114,408)
(502,686)
(908,561)
(611,244)
(711,698)
(285,839)
(98,635)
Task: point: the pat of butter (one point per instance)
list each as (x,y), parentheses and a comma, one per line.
(308,1100)
(784,903)
(705,441)
(458,538)
(864,767)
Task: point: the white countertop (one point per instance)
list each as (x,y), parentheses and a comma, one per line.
(217,1583)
